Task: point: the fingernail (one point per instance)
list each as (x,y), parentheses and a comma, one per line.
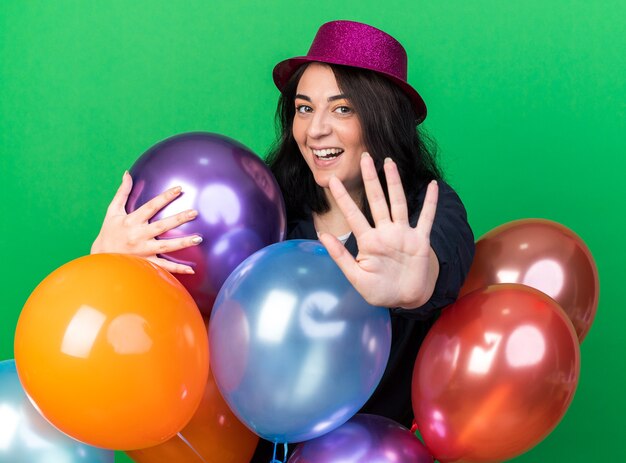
(365,154)
(192,214)
(387,160)
(433,182)
(177,190)
(189,271)
(125,174)
(196,240)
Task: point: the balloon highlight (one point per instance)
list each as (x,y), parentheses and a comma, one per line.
(240,206)
(26,437)
(295,350)
(495,374)
(544,255)
(113,351)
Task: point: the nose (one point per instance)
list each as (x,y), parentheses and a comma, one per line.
(319,125)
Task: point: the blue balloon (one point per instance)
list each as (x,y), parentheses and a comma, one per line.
(26,437)
(295,350)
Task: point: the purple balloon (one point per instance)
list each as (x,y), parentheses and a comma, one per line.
(240,206)
(364,439)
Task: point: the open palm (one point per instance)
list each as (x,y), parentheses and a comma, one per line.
(395,266)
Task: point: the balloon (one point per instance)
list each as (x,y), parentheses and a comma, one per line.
(295,350)
(26,437)
(544,255)
(494,375)
(240,205)
(213,434)
(364,439)
(113,351)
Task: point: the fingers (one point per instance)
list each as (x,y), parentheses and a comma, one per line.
(374,190)
(118,203)
(149,209)
(355,218)
(341,256)
(172,267)
(159,227)
(397,199)
(427,214)
(172,244)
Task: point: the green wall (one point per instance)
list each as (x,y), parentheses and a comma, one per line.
(526,100)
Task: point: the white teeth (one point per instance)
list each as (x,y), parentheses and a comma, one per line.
(329,152)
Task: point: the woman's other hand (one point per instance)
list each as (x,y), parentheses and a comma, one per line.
(133,233)
(395,266)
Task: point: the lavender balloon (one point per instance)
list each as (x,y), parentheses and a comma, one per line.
(364,439)
(241,209)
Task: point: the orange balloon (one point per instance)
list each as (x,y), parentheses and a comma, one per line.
(213,434)
(495,374)
(544,255)
(113,351)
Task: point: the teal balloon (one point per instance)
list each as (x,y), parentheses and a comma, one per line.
(26,437)
(295,350)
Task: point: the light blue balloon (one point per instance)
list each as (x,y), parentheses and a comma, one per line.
(26,437)
(295,350)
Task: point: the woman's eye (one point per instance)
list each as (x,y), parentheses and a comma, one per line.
(343,110)
(302,108)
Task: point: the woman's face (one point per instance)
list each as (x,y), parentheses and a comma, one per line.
(327,130)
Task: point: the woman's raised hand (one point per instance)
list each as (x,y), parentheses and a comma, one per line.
(395,267)
(134,234)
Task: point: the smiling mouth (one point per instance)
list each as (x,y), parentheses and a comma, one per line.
(329,153)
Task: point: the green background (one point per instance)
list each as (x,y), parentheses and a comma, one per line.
(526,100)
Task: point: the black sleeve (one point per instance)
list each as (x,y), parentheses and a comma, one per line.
(453,242)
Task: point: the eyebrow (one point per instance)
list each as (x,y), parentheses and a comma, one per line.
(342,96)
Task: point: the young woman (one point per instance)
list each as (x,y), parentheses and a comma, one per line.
(357,174)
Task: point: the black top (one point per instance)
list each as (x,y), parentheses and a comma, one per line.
(453,242)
